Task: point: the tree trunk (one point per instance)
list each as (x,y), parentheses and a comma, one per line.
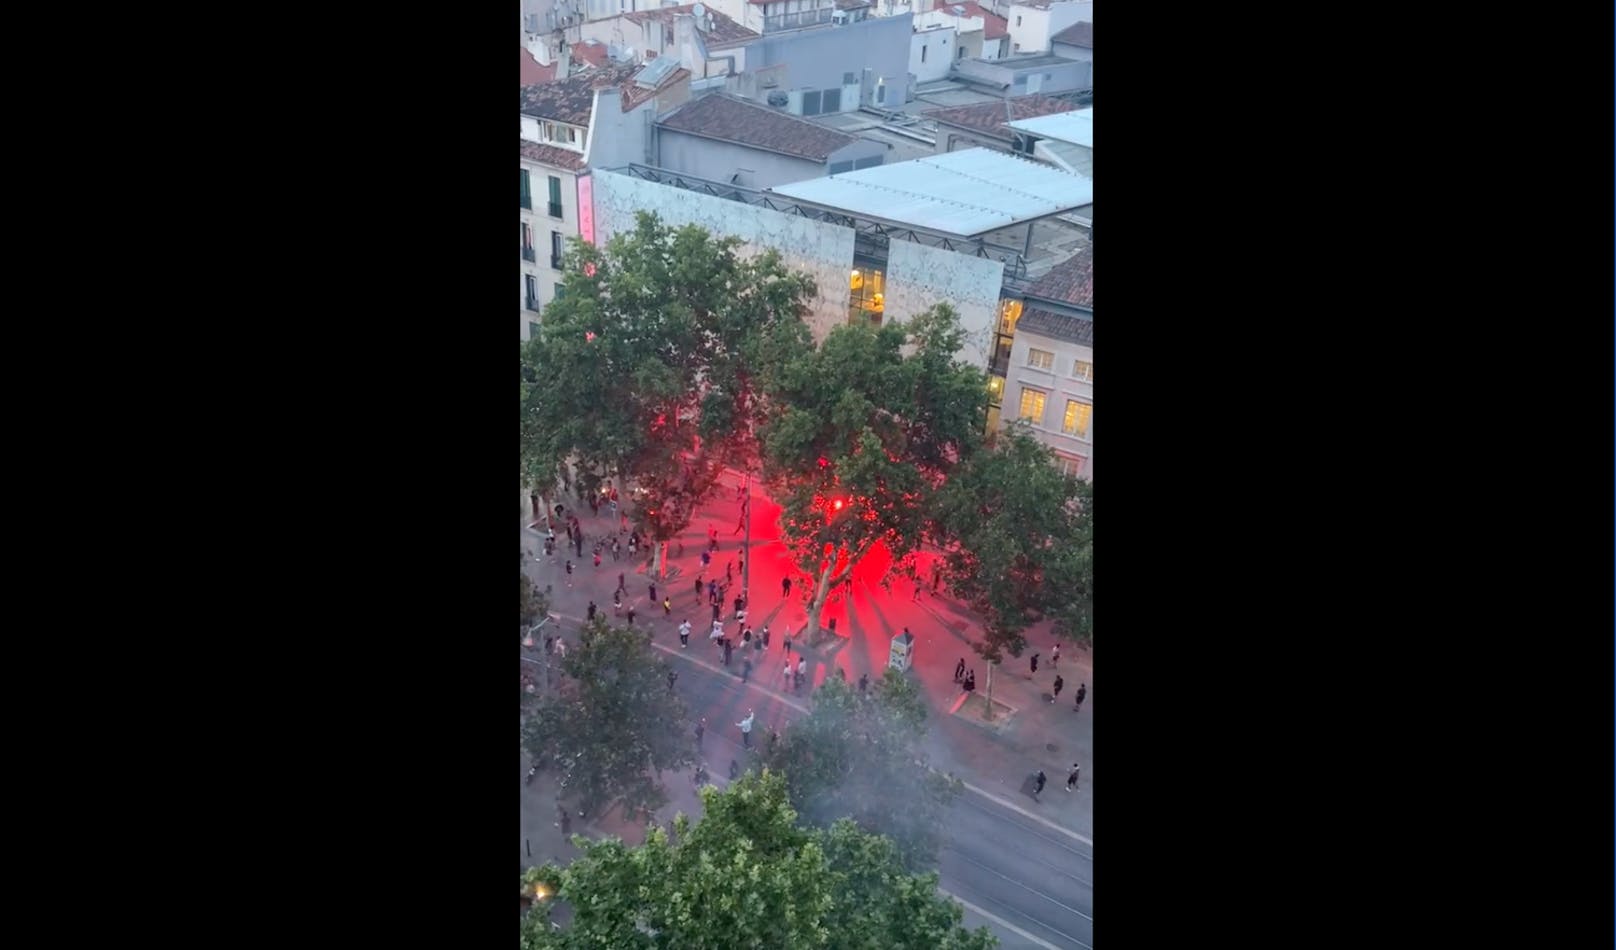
(816,604)
(989,714)
(659,563)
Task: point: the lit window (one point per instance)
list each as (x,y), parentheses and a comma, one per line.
(1032,405)
(1009,313)
(1040,359)
(1084,371)
(1077,418)
(1071,464)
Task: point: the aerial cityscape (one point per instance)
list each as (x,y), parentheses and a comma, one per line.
(807,462)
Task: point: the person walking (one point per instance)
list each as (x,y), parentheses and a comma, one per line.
(631,615)
(1054,656)
(653,592)
(701,730)
(617,549)
(959,670)
(715,613)
(561,648)
(591,611)
(667,607)
(672,675)
(746,729)
(802,672)
(970,682)
(864,683)
(746,636)
(684,635)
(617,602)
(765,636)
(698,588)
(788,641)
(1071,780)
(785,587)
(746,669)
(729,572)
(727,649)
(706,559)
(1038,784)
(718,631)
(569,572)
(1035,663)
(1058,684)
(563,819)
(1077,699)
(620,584)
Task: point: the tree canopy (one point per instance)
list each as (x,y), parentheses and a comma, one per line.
(1019,538)
(857,434)
(613,723)
(745,876)
(858,756)
(645,364)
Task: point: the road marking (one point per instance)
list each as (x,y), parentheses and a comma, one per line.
(718,668)
(999,920)
(1035,893)
(1007,803)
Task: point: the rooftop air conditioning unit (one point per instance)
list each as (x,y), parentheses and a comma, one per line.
(779,100)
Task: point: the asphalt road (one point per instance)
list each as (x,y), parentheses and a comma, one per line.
(1030,883)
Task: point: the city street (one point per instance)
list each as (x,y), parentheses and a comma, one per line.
(1022,867)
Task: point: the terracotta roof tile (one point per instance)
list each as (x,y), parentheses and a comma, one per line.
(552,156)
(724,32)
(634,94)
(1071,281)
(592,52)
(1057,326)
(533,73)
(991,117)
(570,100)
(993,25)
(724,117)
(1078,34)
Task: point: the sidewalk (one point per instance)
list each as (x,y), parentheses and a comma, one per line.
(997,759)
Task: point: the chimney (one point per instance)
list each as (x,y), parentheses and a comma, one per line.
(563,60)
(692,48)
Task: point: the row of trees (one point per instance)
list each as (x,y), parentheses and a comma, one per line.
(669,355)
(747,875)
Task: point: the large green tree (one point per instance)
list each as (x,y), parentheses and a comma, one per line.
(612,724)
(858,756)
(745,877)
(858,433)
(645,366)
(1019,540)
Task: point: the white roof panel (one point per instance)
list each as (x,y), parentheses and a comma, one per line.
(1075,127)
(967,193)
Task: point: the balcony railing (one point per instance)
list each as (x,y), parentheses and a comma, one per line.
(555,261)
(533,304)
(555,209)
(530,255)
(527,202)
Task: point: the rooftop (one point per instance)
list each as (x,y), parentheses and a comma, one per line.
(1076,126)
(1057,326)
(1078,34)
(723,30)
(1031,60)
(553,156)
(1069,282)
(532,72)
(993,25)
(572,100)
(729,119)
(968,193)
(592,52)
(992,117)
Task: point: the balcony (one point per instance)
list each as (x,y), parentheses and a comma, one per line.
(530,255)
(555,209)
(527,202)
(533,304)
(555,261)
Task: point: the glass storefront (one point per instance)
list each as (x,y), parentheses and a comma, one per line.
(866,299)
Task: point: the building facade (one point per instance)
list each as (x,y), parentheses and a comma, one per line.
(1033,25)
(1044,370)
(982,33)
(830,69)
(932,51)
(728,139)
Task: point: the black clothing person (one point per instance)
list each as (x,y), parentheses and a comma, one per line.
(1038,783)
(785,587)
(1058,684)
(959,670)
(1077,700)
(1035,662)
(591,610)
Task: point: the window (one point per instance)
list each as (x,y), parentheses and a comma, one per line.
(833,101)
(528,254)
(1071,464)
(559,293)
(1018,21)
(922,52)
(1077,418)
(1041,359)
(555,249)
(531,285)
(836,168)
(1021,80)
(555,197)
(1083,371)
(532,330)
(870,162)
(527,191)
(1032,405)
(961,52)
(881,92)
(810,102)
(849,79)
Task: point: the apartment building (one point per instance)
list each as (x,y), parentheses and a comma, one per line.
(1049,379)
